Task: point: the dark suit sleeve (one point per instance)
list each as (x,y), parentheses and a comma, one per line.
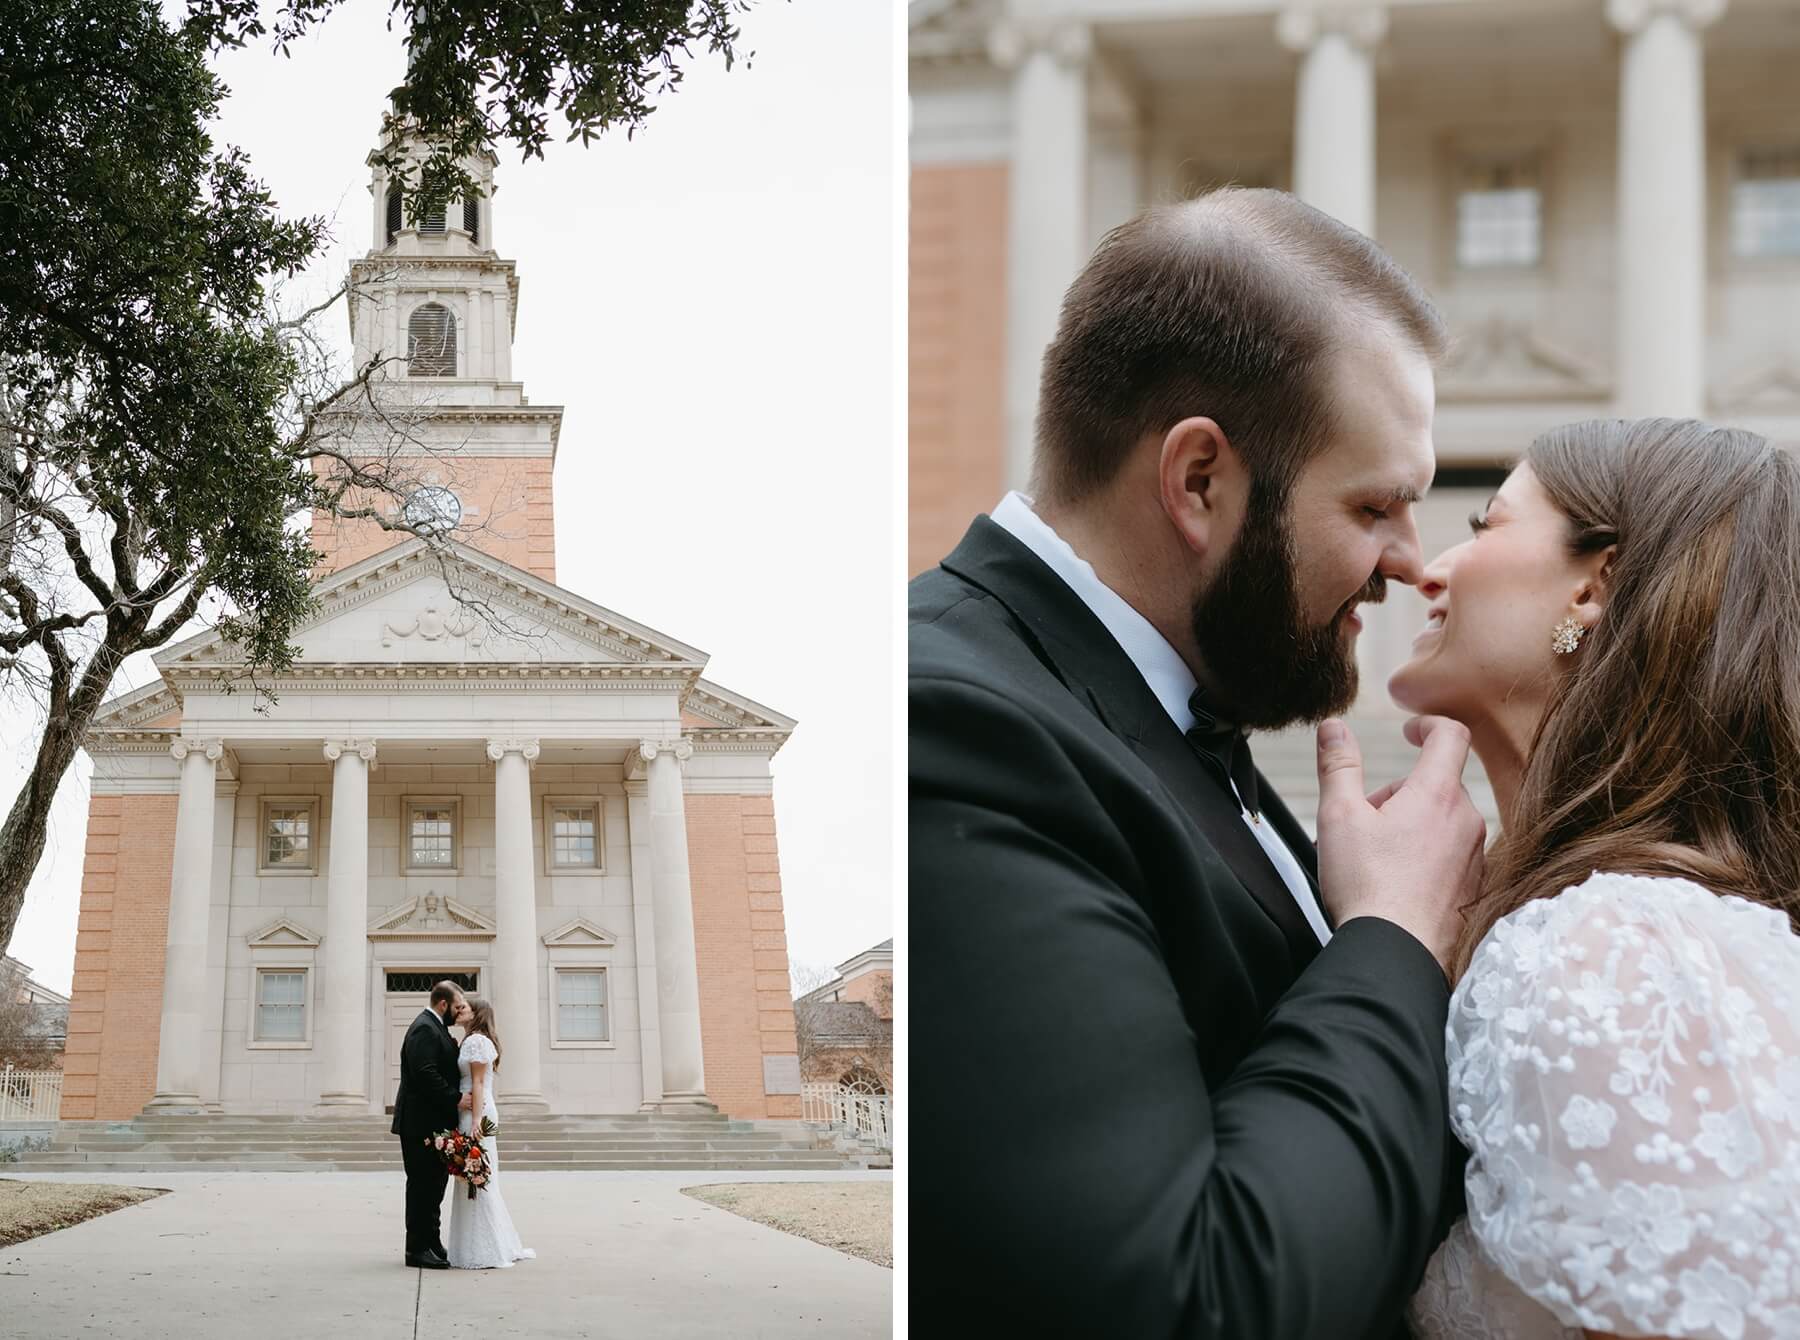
(422,1060)
(1066,1152)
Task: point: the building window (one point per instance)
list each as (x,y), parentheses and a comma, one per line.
(281,1005)
(572,834)
(431,220)
(395,216)
(431,342)
(289,834)
(433,833)
(1499,214)
(581,1005)
(472,218)
(1765,204)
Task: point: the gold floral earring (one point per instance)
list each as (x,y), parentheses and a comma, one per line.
(1567,635)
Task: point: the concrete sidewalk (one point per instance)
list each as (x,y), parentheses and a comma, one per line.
(620,1256)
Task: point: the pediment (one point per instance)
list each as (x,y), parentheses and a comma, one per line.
(283,934)
(710,706)
(1506,359)
(431,916)
(580,934)
(142,707)
(418,604)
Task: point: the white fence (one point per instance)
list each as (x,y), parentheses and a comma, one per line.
(30,1095)
(868,1114)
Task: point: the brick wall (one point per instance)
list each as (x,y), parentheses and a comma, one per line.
(740,944)
(513,521)
(956,355)
(115,1006)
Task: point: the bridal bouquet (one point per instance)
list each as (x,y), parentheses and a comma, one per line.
(463,1155)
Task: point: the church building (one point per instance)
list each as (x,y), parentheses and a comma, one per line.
(468,772)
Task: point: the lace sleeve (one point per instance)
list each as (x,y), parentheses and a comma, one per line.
(1625,1070)
(477,1048)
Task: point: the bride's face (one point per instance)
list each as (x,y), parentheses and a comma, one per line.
(1493,603)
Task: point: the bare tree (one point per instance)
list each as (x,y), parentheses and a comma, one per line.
(28,1035)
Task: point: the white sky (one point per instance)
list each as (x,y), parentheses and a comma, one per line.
(713,305)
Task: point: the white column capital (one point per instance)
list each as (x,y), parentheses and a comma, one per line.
(1300,27)
(1012,41)
(363,749)
(1633,16)
(683,750)
(213,749)
(498,749)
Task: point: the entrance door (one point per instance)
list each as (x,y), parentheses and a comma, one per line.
(405,999)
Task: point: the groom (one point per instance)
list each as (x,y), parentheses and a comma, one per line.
(1174,1073)
(426,1103)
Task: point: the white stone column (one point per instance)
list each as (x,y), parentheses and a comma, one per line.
(672,891)
(342,996)
(1334,111)
(180,1053)
(476,365)
(1661,308)
(1047,202)
(518,1085)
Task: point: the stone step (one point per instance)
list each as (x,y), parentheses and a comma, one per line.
(351,1162)
(377,1149)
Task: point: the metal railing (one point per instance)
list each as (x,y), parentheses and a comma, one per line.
(30,1095)
(867,1114)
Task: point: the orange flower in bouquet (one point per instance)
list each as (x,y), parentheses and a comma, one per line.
(463,1155)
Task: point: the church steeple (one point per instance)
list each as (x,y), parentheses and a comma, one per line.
(435,306)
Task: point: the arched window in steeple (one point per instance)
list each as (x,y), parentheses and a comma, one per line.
(395,216)
(472,218)
(431,340)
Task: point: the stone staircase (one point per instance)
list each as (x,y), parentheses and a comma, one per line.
(626,1142)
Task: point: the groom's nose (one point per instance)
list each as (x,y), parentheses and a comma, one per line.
(1403,560)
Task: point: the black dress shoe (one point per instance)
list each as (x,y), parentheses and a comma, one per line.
(426,1260)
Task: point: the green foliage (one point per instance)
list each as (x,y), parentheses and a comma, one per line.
(484,71)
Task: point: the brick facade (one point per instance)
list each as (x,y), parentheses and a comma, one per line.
(740,942)
(956,354)
(513,518)
(109,1068)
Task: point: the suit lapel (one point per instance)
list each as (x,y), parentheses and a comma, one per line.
(1077,647)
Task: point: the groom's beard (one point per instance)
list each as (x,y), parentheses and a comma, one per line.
(1269,667)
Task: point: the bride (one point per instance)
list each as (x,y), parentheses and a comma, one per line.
(1621,636)
(481,1231)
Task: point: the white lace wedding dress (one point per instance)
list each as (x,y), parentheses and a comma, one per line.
(1625,1070)
(481,1231)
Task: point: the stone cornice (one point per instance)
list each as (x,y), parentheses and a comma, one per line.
(738,741)
(1299,28)
(733,711)
(104,741)
(949,32)
(138,706)
(382,263)
(386,677)
(1633,16)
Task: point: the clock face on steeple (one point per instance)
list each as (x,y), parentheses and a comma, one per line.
(433,510)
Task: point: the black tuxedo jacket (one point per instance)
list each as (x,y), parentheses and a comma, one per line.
(429,1085)
(1144,1102)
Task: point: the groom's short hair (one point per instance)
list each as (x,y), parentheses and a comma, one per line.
(1229,306)
(445,993)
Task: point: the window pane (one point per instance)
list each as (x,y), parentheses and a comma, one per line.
(281,1006)
(572,836)
(1498,227)
(433,836)
(288,836)
(581,1006)
(1765,204)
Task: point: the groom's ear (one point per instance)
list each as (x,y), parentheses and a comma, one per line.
(1203,483)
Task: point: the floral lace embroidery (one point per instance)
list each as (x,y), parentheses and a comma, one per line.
(1625,1068)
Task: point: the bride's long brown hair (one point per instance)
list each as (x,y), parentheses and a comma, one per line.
(483,1023)
(1671,745)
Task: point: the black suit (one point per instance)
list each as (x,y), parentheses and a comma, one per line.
(425,1104)
(1145,1102)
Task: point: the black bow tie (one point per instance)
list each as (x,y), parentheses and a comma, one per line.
(1226,749)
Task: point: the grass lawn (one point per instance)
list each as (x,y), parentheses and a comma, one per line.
(31,1209)
(855,1217)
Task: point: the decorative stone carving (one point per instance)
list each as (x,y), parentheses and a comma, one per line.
(428,625)
(1633,16)
(649,749)
(431,916)
(214,749)
(499,749)
(1299,28)
(1014,40)
(1500,358)
(363,749)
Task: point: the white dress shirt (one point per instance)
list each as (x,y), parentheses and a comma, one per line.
(1166,674)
